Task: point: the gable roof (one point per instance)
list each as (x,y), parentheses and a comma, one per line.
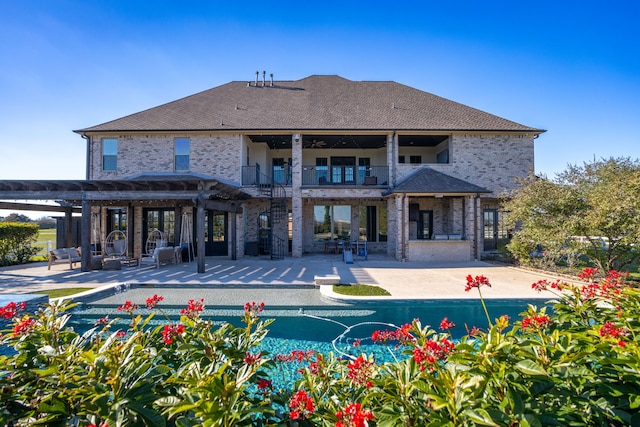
(314,103)
(429,181)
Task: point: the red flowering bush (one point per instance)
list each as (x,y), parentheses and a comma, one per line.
(170,332)
(353,416)
(361,370)
(154,301)
(194,308)
(11,309)
(573,362)
(301,406)
(128,307)
(476,282)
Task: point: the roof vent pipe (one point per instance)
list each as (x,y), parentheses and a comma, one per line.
(264,78)
(257,74)
(271,75)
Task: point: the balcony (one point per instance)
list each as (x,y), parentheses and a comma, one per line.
(344,176)
(252,177)
(349,176)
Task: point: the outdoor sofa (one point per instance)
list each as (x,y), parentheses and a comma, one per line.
(64,255)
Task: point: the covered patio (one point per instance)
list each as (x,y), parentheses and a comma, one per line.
(86,196)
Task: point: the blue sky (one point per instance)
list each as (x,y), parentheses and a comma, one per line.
(570,67)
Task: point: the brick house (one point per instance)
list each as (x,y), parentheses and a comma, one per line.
(307,166)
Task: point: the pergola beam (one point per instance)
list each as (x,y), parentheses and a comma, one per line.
(36,207)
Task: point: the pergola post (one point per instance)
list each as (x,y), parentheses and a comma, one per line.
(68,228)
(200,233)
(85,235)
(234,235)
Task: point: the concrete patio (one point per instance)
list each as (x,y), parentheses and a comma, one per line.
(404,280)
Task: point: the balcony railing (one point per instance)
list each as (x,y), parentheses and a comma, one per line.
(320,175)
(345,175)
(253,177)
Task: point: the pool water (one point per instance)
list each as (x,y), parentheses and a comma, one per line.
(303,319)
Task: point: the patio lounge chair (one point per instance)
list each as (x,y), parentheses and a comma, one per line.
(161,256)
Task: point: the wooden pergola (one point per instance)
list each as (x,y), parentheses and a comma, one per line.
(80,195)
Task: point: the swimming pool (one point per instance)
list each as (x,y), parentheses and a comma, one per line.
(301,313)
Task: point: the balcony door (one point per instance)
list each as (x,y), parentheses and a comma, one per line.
(343,170)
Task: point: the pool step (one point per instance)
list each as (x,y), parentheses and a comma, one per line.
(328,279)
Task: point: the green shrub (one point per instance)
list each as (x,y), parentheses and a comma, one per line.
(16,240)
(574,363)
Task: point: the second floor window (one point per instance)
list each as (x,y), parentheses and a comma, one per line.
(182,153)
(415,159)
(110,154)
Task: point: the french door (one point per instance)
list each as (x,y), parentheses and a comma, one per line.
(490,229)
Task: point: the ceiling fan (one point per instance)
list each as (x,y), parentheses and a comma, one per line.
(314,144)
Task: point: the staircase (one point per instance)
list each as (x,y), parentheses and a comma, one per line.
(270,243)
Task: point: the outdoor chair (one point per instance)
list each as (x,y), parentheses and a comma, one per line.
(164,255)
(115,244)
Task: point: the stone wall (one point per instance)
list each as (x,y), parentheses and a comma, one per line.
(439,250)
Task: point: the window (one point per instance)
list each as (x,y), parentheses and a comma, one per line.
(116,219)
(425,224)
(415,159)
(331,222)
(109,154)
(400,159)
(182,151)
(373,223)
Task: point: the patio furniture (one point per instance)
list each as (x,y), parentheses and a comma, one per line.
(155,239)
(161,256)
(331,247)
(370,180)
(64,255)
(96,262)
(111,264)
(115,244)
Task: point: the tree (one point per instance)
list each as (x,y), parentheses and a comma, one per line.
(591,210)
(46,222)
(16,217)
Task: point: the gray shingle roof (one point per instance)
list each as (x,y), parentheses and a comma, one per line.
(429,181)
(313,103)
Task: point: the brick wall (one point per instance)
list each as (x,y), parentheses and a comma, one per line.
(216,155)
(490,161)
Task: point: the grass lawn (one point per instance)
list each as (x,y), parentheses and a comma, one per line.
(62,292)
(44,236)
(360,290)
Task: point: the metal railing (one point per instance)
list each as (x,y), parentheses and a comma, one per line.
(319,175)
(253,177)
(346,175)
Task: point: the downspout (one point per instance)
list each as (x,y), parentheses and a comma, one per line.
(476,247)
(403,251)
(88,165)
